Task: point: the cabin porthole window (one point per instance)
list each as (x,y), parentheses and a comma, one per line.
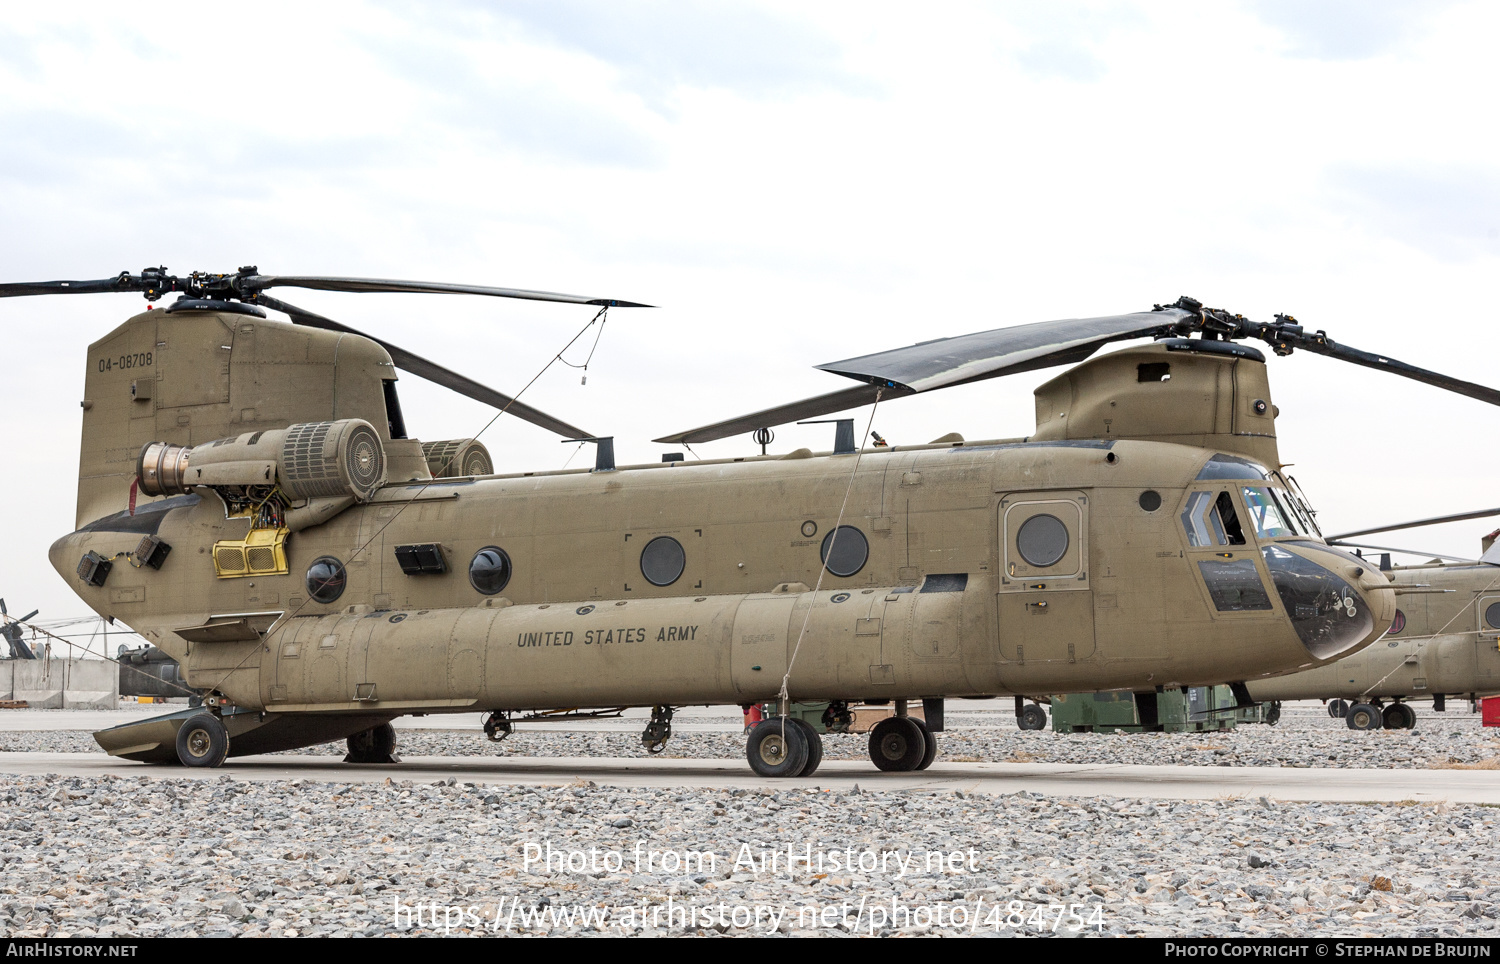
(662,561)
(489,571)
(845,551)
(1042,540)
(326,579)
(1492,616)
(1150,500)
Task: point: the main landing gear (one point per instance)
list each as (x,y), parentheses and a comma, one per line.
(902,743)
(375,745)
(784,746)
(202,741)
(1374,716)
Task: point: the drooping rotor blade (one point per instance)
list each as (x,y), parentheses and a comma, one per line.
(1459,517)
(1002,351)
(1326,346)
(807,408)
(259,282)
(954,361)
(1410,552)
(433,372)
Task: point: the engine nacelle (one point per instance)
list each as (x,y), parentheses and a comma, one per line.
(308,461)
(457,458)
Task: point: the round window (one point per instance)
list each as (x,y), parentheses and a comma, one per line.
(1492,616)
(326,579)
(490,570)
(1150,500)
(1399,623)
(662,561)
(1042,540)
(845,551)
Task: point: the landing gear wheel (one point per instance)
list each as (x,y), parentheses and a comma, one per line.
(1032,717)
(897,744)
(202,741)
(1363,716)
(777,748)
(929,738)
(814,747)
(1273,713)
(375,745)
(1338,709)
(1399,716)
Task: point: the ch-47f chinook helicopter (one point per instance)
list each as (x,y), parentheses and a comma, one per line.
(319,573)
(1444,640)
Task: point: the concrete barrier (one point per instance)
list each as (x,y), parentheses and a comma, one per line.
(56,684)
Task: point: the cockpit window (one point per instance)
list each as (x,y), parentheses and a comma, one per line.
(1212,521)
(1304,513)
(1234,586)
(1223,466)
(1289,512)
(1266,513)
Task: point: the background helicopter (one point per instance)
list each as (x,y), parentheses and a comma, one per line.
(314,666)
(1444,641)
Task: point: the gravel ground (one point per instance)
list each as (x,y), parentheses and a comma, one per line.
(172,857)
(1305,737)
(161,856)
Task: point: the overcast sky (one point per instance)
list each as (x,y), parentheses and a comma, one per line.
(791,184)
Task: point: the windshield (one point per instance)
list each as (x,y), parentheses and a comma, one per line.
(1271,520)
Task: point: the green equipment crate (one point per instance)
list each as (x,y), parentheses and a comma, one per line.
(1195,710)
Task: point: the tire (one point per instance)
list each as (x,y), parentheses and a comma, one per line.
(375,745)
(1338,709)
(1033,717)
(1363,716)
(897,744)
(775,749)
(202,741)
(1273,715)
(930,742)
(1408,716)
(1393,717)
(814,748)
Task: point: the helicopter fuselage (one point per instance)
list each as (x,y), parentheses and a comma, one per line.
(1143,538)
(942,600)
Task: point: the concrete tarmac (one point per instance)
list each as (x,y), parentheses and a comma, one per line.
(1052,779)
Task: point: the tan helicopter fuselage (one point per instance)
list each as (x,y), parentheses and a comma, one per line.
(944,601)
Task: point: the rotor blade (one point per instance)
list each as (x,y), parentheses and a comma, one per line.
(260,282)
(807,408)
(433,372)
(1460,517)
(1001,351)
(953,361)
(1389,364)
(123,282)
(1409,552)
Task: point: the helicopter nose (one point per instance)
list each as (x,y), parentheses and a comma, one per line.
(1337,602)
